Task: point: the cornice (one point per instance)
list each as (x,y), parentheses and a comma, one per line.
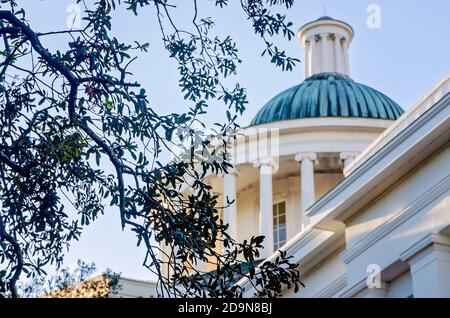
(333,288)
(422,244)
(353,290)
(396,220)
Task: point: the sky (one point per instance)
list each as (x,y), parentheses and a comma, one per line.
(404,58)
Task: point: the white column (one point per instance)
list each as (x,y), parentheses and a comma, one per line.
(314,59)
(308,65)
(338,54)
(266,167)
(429,261)
(230,210)
(307,186)
(324,58)
(164,258)
(348,158)
(345,45)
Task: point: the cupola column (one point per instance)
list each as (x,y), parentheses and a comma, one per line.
(345,46)
(266,168)
(324,56)
(332,38)
(230,210)
(307,185)
(308,65)
(338,53)
(313,62)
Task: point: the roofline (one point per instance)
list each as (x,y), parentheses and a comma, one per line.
(135,280)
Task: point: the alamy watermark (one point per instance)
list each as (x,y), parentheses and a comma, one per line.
(73,20)
(374,19)
(374,276)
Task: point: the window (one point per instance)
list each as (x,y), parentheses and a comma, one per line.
(279,225)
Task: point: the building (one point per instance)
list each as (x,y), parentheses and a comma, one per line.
(105,286)
(336,174)
(132,288)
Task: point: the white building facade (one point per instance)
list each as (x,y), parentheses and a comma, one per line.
(334,173)
(337,175)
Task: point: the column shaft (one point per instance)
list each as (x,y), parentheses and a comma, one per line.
(324,58)
(307,184)
(346,57)
(266,207)
(338,54)
(314,60)
(230,210)
(307,59)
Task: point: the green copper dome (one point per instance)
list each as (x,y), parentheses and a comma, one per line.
(328,95)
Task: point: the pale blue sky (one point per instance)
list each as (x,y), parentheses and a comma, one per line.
(404,59)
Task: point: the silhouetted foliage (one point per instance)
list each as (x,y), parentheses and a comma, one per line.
(75,127)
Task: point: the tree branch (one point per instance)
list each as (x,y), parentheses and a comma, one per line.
(74,82)
(9,30)
(45,54)
(20,170)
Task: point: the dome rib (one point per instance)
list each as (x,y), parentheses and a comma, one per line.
(328,95)
(343,100)
(334,106)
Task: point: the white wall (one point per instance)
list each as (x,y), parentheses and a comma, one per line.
(412,201)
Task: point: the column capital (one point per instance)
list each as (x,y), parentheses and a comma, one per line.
(266,205)
(348,154)
(264,163)
(312,39)
(324,35)
(306,155)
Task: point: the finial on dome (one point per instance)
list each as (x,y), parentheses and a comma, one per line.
(326,43)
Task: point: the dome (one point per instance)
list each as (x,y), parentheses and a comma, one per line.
(328,95)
